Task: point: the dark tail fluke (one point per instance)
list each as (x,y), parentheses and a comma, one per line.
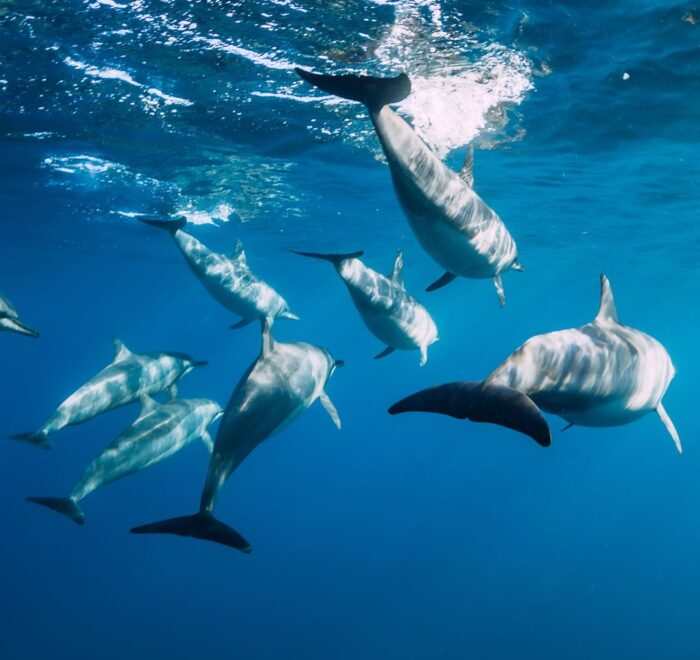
(169,225)
(39,439)
(201,525)
(373,92)
(335,259)
(481,402)
(64,505)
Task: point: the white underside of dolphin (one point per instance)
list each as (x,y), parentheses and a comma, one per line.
(389,312)
(451,222)
(159,432)
(279,386)
(601,374)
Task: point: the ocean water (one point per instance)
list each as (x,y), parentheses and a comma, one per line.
(407,537)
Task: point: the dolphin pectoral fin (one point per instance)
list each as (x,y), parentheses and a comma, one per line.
(39,439)
(467,171)
(208,442)
(172,391)
(481,402)
(241,324)
(498,282)
(201,525)
(423,355)
(387,351)
(64,505)
(397,269)
(669,427)
(373,92)
(330,408)
(567,427)
(442,281)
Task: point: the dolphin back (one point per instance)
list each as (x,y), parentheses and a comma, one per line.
(373,92)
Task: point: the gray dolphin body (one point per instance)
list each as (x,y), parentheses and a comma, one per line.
(389,312)
(9,319)
(160,432)
(451,222)
(280,385)
(229,280)
(602,374)
(129,377)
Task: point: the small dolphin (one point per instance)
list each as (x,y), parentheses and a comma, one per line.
(452,223)
(129,377)
(159,432)
(391,314)
(280,385)
(9,319)
(228,279)
(602,374)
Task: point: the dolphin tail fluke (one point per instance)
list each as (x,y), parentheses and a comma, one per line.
(38,439)
(372,92)
(169,225)
(15,326)
(334,258)
(64,505)
(481,402)
(201,525)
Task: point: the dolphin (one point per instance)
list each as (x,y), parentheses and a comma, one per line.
(129,377)
(389,312)
(228,279)
(451,222)
(281,384)
(9,319)
(159,432)
(601,374)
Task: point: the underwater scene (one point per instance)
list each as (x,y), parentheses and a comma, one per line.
(442,254)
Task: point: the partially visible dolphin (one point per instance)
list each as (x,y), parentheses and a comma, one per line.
(9,319)
(280,385)
(228,279)
(452,223)
(391,314)
(602,374)
(129,377)
(159,432)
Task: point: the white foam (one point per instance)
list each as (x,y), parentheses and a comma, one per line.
(220,213)
(262,59)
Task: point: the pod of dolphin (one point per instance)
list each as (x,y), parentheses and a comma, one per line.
(601,374)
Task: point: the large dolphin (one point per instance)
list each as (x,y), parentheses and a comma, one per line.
(452,223)
(9,319)
(129,377)
(281,384)
(602,374)
(228,279)
(391,314)
(160,431)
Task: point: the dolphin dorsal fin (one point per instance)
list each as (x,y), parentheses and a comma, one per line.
(148,405)
(467,171)
(398,267)
(121,352)
(239,252)
(607,313)
(268,343)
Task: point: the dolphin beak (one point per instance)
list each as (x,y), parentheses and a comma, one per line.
(199,363)
(338,363)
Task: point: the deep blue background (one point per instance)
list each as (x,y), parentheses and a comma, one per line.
(408,537)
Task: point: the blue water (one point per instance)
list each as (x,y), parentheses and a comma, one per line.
(409,537)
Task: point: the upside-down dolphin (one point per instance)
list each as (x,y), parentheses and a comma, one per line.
(282,383)
(228,279)
(159,432)
(602,374)
(129,377)
(451,222)
(9,319)
(389,312)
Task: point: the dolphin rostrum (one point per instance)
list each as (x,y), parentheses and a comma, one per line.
(602,374)
(160,431)
(129,377)
(282,383)
(228,279)
(9,319)
(391,314)
(451,222)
